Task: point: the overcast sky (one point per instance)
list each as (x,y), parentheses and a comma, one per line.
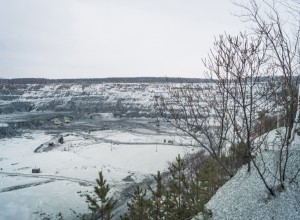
(110,38)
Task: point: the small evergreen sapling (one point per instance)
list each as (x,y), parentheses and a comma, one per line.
(156,210)
(168,207)
(138,207)
(178,186)
(195,195)
(101,203)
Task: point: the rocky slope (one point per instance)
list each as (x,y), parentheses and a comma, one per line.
(54,105)
(122,99)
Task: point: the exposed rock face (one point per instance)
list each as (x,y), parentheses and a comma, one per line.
(15,106)
(12,128)
(7,132)
(121,99)
(32,106)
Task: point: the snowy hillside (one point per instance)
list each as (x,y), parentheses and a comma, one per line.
(245,196)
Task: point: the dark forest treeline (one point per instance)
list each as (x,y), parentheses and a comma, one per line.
(118,80)
(104,80)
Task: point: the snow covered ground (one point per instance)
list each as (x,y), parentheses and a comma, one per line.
(246,197)
(69,170)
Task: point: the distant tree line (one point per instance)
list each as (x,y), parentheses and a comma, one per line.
(119,80)
(105,80)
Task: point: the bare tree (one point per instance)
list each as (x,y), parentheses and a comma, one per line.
(188,107)
(251,72)
(223,112)
(279,22)
(242,68)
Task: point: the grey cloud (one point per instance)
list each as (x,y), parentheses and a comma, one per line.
(76,38)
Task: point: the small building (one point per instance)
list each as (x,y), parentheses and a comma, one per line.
(36,170)
(170,142)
